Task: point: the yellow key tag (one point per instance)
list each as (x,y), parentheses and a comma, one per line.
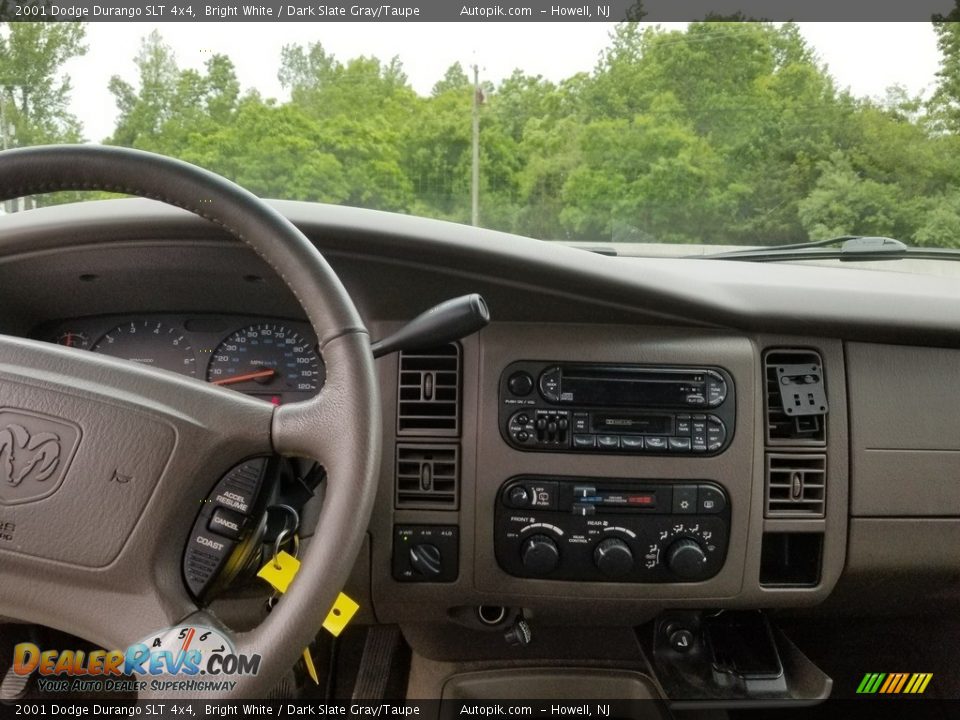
(280,578)
(343,610)
(311,670)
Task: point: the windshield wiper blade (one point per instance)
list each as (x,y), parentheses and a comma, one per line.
(851,247)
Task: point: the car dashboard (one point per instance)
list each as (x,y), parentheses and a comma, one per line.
(627,437)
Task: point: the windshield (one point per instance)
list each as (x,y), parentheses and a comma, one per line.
(654,136)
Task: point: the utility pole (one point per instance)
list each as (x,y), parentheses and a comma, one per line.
(8,205)
(475,165)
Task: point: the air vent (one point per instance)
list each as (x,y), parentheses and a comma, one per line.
(428,400)
(784,429)
(427,477)
(796,485)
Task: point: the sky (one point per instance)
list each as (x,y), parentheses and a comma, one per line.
(864,57)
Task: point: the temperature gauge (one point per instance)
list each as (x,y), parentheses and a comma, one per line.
(74,340)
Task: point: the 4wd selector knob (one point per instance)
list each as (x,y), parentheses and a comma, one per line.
(540,554)
(613,557)
(687,560)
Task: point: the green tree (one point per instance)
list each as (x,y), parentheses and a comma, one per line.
(35,91)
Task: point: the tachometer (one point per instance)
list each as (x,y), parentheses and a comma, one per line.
(266,359)
(150,343)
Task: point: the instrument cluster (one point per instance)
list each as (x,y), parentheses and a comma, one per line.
(275,359)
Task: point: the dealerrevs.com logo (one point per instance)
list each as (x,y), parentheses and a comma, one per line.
(186,658)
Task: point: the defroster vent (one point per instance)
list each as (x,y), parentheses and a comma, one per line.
(428,400)
(427,477)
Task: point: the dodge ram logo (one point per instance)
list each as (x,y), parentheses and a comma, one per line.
(21,455)
(35,452)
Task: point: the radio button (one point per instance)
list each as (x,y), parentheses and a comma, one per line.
(716,390)
(683,425)
(684,499)
(698,435)
(550,384)
(581,423)
(716,434)
(631,442)
(679,444)
(696,399)
(655,443)
(584,441)
(710,500)
(608,442)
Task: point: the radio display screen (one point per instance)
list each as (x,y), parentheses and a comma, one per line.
(638,424)
(629,389)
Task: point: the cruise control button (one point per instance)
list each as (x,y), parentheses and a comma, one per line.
(584,441)
(631,442)
(710,500)
(227,523)
(608,442)
(654,442)
(679,444)
(238,488)
(684,499)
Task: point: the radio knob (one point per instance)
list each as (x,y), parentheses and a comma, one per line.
(687,560)
(540,554)
(613,557)
(520,384)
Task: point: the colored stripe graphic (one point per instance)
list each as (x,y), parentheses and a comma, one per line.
(894,683)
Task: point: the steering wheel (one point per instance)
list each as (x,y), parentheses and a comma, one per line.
(104,463)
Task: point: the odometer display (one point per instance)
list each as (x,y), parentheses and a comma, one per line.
(267,359)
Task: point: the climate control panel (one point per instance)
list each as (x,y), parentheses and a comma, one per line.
(600,530)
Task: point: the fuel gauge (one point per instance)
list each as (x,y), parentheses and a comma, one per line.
(74,340)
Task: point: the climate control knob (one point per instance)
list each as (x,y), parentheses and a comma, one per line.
(613,557)
(539,554)
(687,560)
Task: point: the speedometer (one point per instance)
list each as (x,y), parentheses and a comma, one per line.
(266,359)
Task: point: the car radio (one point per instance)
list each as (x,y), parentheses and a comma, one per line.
(599,529)
(581,407)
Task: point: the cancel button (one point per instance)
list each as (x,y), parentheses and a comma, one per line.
(227,523)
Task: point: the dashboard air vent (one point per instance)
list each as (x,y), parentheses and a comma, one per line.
(427,477)
(796,485)
(428,401)
(801,429)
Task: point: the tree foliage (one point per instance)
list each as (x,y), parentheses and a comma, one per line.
(723,133)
